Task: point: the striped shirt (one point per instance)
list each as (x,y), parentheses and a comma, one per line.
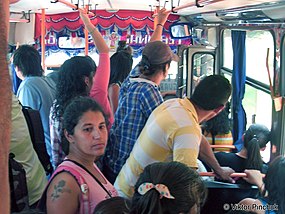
(138,98)
(220,139)
(172,133)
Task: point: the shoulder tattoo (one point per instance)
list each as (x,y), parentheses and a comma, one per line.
(58,189)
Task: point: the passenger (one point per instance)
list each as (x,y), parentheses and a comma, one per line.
(272,188)
(139,96)
(21,146)
(115,205)
(77,181)
(170,187)
(121,65)
(79,76)
(122,46)
(35,90)
(218,130)
(255,139)
(173,133)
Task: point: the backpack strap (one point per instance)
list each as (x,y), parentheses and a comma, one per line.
(84,198)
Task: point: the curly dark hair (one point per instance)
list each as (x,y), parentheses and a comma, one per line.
(71,82)
(220,124)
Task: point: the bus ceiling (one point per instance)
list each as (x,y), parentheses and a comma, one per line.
(192,8)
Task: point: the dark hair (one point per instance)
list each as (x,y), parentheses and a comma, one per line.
(28,59)
(274,183)
(122,46)
(121,65)
(148,69)
(255,138)
(114,205)
(73,113)
(211,92)
(183,183)
(71,81)
(219,124)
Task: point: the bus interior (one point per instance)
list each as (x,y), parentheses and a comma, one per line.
(244,40)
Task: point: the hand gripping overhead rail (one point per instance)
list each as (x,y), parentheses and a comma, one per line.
(73,6)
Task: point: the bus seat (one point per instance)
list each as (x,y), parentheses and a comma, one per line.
(220,193)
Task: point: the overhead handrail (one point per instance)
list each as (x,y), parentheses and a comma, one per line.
(73,6)
(223,146)
(195,4)
(233,175)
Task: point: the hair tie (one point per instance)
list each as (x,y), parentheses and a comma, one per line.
(145,62)
(161,188)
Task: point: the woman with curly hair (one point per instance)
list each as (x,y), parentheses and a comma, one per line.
(218,130)
(77,78)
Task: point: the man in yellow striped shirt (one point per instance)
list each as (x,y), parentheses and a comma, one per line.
(173,133)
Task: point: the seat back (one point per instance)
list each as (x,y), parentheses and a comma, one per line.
(222,196)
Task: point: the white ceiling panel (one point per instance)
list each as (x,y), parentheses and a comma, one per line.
(147,5)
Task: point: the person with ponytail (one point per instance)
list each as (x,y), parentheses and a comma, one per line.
(169,187)
(139,95)
(255,139)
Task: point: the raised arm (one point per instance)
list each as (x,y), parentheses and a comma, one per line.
(98,39)
(162,16)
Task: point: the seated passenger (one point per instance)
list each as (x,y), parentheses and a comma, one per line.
(170,187)
(172,133)
(255,139)
(272,188)
(218,130)
(21,146)
(77,185)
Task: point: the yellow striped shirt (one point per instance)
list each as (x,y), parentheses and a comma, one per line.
(172,133)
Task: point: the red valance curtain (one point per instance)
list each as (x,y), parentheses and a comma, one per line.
(123,19)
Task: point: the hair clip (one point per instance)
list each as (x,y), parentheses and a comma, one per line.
(161,188)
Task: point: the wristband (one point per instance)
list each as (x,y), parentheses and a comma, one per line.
(160,25)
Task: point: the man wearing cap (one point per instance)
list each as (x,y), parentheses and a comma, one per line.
(139,96)
(173,133)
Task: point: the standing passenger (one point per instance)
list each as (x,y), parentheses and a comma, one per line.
(22,147)
(173,133)
(77,185)
(139,96)
(121,65)
(35,90)
(79,76)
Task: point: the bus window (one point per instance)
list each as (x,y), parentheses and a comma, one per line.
(227,49)
(257,100)
(256,60)
(203,65)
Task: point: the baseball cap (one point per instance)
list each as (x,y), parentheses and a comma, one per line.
(158,53)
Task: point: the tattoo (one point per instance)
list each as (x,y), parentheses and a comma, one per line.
(59,188)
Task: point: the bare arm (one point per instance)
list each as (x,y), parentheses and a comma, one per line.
(114,96)
(162,16)
(63,195)
(206,154)
(96,35)
(5,108)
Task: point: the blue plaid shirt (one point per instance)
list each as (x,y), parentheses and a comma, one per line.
(138,98)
